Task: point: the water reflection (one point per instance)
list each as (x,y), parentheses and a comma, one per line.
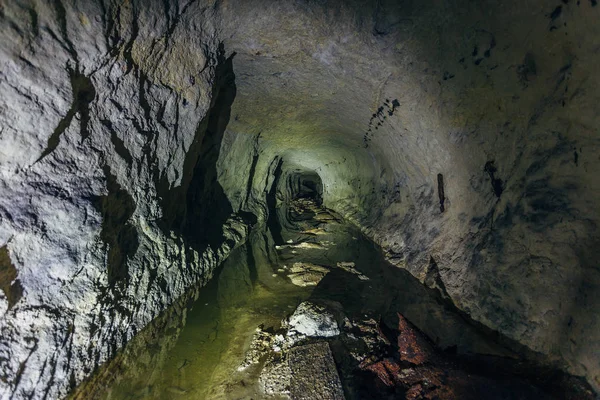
(194,348)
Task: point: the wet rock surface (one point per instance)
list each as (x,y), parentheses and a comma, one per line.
(338,339)
(413,369)
(455,135)
(400,363)
(377,360)
(403,363)
(314,374)
(312,320)
(306,274)
(103,146)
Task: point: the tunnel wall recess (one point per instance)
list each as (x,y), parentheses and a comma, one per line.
(140,141)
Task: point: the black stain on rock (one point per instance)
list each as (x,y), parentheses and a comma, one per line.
(497,184)
(564,74)
(119,235)
(527,70)
(576,158)
(594,3)
(485,42)
(556,13)
(9,283)
(442,196)
(389,108)
(544,205)
(448,75)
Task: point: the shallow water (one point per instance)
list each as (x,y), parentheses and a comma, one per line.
(202,355)
(194,349)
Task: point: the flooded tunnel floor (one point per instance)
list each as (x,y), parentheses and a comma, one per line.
(198,349)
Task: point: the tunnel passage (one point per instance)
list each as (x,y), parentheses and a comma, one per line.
(306,185)
(461,137)
(293,185)
(327,265)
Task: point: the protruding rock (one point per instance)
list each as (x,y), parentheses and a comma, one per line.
(312,320)
(412,346)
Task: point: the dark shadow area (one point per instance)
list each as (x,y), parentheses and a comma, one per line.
(84,92)
(460,368)
(423,346)
(208,206)
(9,284)
(474,362)
(273,223)
(198,208)
(117,233)
(308,185)
(290,200)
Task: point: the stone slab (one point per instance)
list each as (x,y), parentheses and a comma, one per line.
(314,374)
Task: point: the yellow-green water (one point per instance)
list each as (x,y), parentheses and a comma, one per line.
(217,329)
(193,350)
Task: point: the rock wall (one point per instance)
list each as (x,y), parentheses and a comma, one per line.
(110,112)
(462,137)
(503,195)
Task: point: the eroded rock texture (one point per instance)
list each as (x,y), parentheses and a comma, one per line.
(461,136)
(139,138)
(110,116)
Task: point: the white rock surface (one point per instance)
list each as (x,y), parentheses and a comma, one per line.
(98,120)
(312,320)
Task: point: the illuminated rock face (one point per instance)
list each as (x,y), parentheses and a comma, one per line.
(108,179)
(140,139)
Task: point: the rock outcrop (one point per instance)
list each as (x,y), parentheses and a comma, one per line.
(109,118)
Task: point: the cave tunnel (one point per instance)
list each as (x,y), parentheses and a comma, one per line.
(358,199)
(306,184)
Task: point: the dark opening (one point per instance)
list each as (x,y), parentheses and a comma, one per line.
(307,185)
(282,199)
